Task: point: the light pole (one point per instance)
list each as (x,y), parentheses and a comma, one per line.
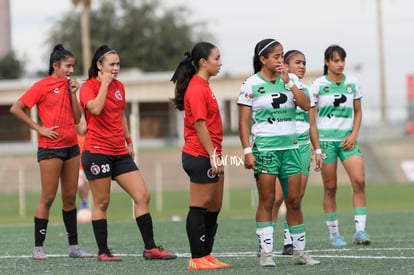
(383,107)
(85,38)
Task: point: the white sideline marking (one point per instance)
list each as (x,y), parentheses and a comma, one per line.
(254,254)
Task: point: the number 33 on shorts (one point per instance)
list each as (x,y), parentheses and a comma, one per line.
(103,168)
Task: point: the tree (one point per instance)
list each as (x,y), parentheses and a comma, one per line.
(146,35)
(10,66)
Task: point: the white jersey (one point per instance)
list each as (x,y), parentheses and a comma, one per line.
(335,106)
(302,122)
(273,113)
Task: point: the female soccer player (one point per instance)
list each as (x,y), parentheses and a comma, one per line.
(58,150)
(108,153)
(307,133)
(339,119)
(267,101)
(203,132)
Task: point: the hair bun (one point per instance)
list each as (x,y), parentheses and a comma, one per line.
(59,47)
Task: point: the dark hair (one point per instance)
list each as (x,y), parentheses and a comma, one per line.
(98,56)
(187,69)
(58,54)
(329,52)
(289,54)
(263,48)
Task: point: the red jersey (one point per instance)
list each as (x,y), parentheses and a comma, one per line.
(201,103)
(51,95)
(105,132)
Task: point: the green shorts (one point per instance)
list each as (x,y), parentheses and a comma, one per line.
(282,164)
(306,155)
(331,150)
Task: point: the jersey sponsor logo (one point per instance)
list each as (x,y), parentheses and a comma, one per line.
(56,90)
(338,100)
(278,99)
(95,170)
(118,95)
(210,173)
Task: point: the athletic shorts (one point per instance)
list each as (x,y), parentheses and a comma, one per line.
(281,163)
(63,153)
(198,168)
(306,155)
(331,150)
(98,166)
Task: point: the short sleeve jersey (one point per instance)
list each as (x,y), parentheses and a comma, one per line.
(200,103)
(105,132)
(302,122)
(335,106)
(273,113)
(51,95)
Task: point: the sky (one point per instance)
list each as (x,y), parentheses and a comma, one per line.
(307,25)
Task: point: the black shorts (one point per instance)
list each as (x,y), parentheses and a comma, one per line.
(98,166)
(198,169)
(63,153)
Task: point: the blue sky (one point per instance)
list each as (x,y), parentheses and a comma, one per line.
(309,26)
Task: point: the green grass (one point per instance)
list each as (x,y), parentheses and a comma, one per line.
(390,224)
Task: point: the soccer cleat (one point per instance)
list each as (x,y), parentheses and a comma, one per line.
(201,264)
(213,260)
(287,249)
(39,253)
(361,237)
(266,259)
(302,258)
(338,241)
(108,257)
(76,252)
(157,253)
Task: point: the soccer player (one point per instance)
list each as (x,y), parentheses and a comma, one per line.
(108,153)
(339,119)
(201,154)
(268,101)
(307,132)
(58,150)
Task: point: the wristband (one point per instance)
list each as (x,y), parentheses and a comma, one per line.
(318,151)
(289,85)
(128,141)
(247,150)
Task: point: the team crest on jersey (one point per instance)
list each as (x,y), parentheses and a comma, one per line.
(118,95)
(213,96)
(210,173)
(56,90)
(95,170)
(349,89)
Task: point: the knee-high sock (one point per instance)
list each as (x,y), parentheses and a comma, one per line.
(40,229)
(196,231)
(144,223)
(100,229)
(69,219)
(211,229)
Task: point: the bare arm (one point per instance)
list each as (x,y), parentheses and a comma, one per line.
(349,142)
(73,88)
(314,136)
(130,147)
(205,140)
(244,133)
(96,105)
(18,110)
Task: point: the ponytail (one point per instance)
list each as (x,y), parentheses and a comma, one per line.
(187,69)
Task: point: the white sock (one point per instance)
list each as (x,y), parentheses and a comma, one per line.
(333,228)
(287,239)
(360,221)
(265,236)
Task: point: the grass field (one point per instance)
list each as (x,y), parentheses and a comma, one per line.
(390,224)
